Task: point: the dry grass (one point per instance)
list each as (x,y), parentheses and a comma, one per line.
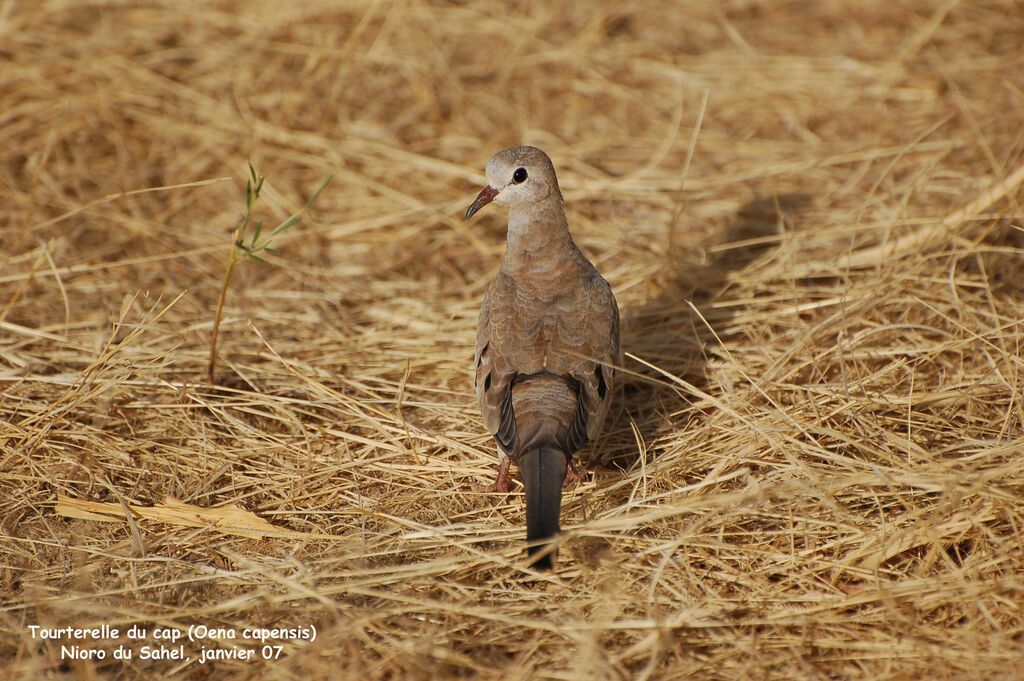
(817,469)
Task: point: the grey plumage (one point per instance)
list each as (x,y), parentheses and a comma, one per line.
(547,339)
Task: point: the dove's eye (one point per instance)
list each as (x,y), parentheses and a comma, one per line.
(519,176)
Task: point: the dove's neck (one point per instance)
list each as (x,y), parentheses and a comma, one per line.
(538,240)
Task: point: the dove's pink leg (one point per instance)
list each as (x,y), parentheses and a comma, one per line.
(572,474)
(501,484)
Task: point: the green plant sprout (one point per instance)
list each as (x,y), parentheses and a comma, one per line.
(252,250)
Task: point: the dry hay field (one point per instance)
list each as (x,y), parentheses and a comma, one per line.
(811,214)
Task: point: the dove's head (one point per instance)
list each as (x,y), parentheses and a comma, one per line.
(520,177)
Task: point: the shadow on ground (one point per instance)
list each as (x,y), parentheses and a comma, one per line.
(673,335)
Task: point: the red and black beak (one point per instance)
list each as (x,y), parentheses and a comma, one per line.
(485,196)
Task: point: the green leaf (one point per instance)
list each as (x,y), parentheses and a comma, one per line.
(272,251)
(254,258)
(256,234)
(286,224)
(317,193)
(248,195)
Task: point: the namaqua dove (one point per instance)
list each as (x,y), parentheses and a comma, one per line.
(547,341)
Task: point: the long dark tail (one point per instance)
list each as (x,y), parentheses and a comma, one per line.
(543,471)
